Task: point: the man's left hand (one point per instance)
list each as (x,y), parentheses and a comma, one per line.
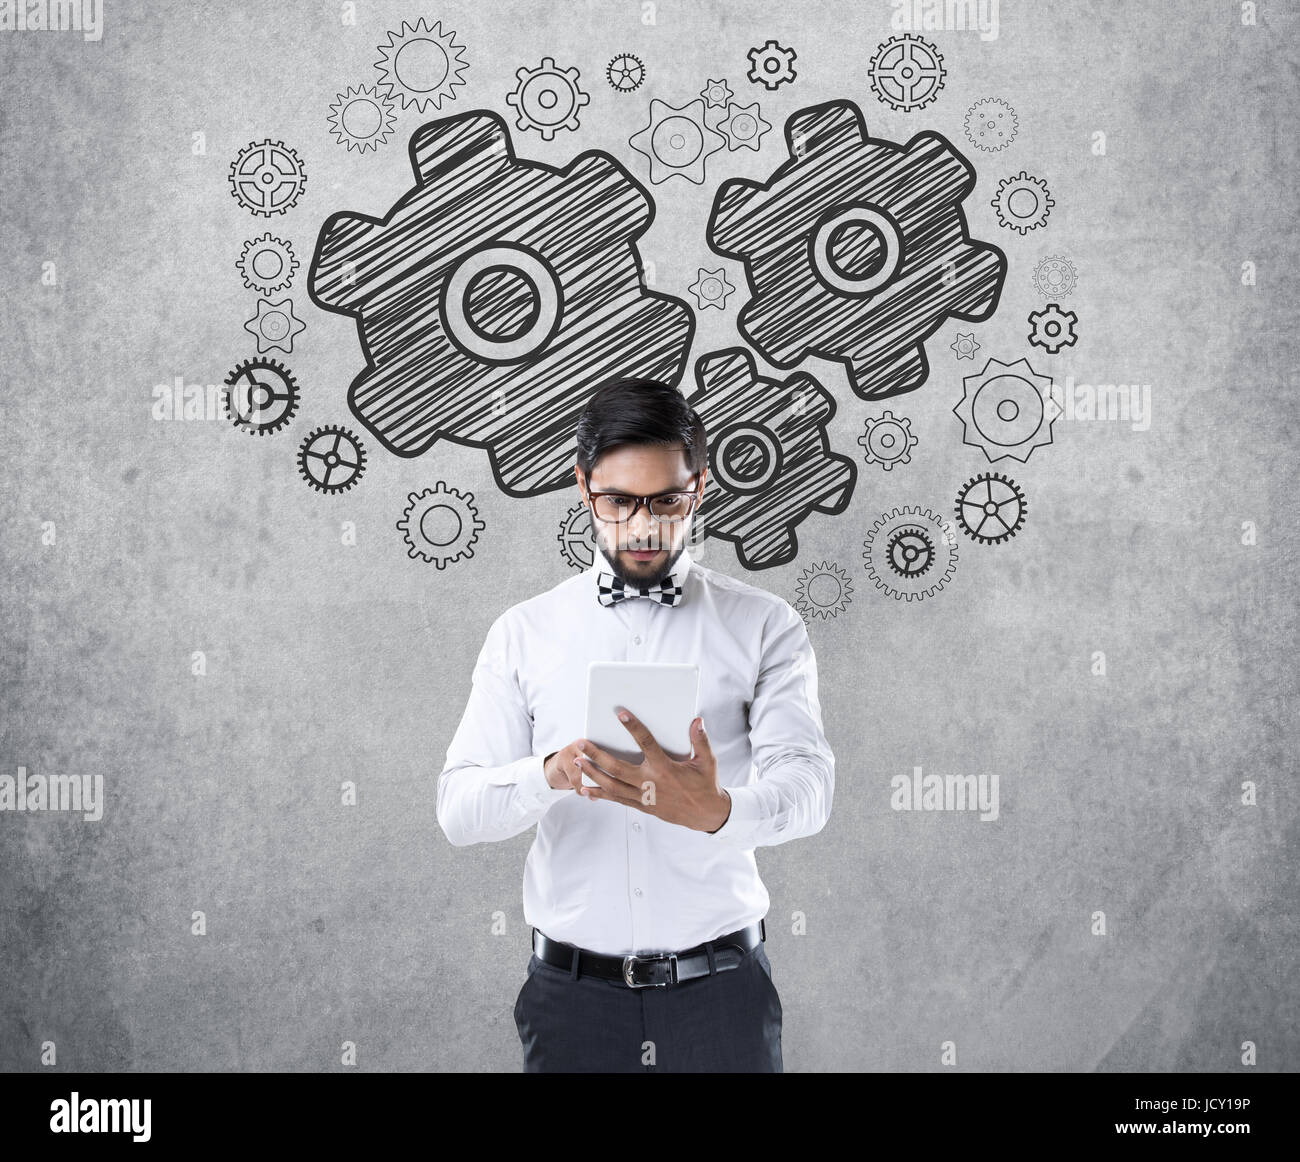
(681,791)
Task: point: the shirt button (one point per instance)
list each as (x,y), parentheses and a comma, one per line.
(637,640)
(638,891)
(636,827)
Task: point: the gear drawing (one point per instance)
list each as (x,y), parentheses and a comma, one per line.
(1055,277)
(1052,328)
(965,345)
(991,124)
(677,141)
(577,537)
(267,264)
(716,94)
(711,288)
(911,553)
(625,72)
(362,118)
(769,456)
(1007,409)
(888,440)
(991,508)
(261,396)
(440,525)
(267,177)
(420,64)
(547,99)
(772,65)
(744,127)
(856,250)
(495,298)
(907,72)
(1022,202)
(274,325)
(823,590)
(331,459)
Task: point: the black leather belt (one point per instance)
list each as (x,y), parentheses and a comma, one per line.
(658,970)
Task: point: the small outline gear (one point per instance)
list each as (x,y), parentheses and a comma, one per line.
(991,124)
(274,326)
(422,540)
(907,72)
(424,46)
(538,85)
(577,537)
(1008,409)
(380,121)
(772,65)
(1055,277)
(965,345)
(711,288)
(1003,504)
(267,177)
(625,72)
(275,385)
(318,463)
(904,537)
(716,94)
(743,126)
(888,440)
(677,142)
(1020,188)
(267,252)
(1052,328)
(810,604)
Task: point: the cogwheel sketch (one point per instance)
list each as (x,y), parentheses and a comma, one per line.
(711,288)
(991,508)
(495,298)
(331,459)
(965,345)
(362,118)
(887,440)
(274,325)
(906,72)
(1007,410)
(1022,202)
(823,591)
(772,65)
(677,141)
(421,64)
(267,264)
(547,98)
(716,94)
(911,553)
(769,456)
(991,124)
(1052,328)
(856,250)
(261,396)
(267,177)
(577,537)
(743,127)
(1055,277)
(625,73)
(440,525)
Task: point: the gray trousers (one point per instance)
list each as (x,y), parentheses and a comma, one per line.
(729,1022)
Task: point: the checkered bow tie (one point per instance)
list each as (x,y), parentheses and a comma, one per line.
(612,590)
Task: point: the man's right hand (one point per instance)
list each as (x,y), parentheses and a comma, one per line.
(561,771)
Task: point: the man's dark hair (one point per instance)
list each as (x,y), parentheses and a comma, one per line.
(639,411)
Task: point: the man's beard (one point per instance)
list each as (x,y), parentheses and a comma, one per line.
(642,578)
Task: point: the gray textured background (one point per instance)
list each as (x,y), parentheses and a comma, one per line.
(328,662)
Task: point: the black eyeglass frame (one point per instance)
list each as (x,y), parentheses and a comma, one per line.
(640,500)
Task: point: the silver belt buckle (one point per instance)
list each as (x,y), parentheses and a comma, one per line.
(632,982)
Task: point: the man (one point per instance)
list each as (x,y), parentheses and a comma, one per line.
(646,909)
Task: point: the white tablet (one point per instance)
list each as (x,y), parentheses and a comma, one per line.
(663,695)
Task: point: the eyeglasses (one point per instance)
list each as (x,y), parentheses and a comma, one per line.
(664,507)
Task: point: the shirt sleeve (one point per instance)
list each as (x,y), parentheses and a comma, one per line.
(791,796)
(492,785)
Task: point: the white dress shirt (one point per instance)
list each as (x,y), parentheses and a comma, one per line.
(602,875)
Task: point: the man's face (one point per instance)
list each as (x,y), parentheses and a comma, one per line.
(641,470)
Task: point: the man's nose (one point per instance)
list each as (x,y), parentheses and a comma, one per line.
(640,526)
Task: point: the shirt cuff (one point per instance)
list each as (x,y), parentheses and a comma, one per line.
(534,790)
(743,822)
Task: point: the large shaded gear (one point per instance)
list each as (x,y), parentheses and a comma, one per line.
(267,177)
(911,553)
(1007,409)
(769,456)
(888,440)
(420,64)
(991,508)
(495,298)
(856,250)
(547,98)
(440,525)
(907,72)
(823,590)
